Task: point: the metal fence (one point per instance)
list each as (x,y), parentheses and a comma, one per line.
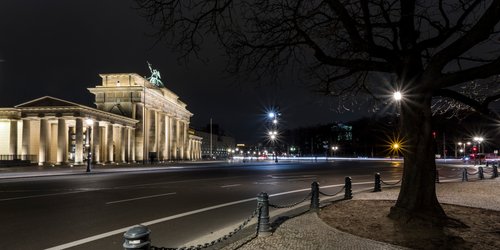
(138,237)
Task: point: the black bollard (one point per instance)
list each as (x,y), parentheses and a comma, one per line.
(464,175)
(314,196)
(481,173)
(378,187)
(264,224)
(437,176)
(137,238)
(348,188)
(495,171)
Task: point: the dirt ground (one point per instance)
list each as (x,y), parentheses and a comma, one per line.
(368,218)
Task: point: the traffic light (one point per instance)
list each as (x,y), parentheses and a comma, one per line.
(474,149)
(434,134)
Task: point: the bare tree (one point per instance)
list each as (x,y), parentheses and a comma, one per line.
(429,47)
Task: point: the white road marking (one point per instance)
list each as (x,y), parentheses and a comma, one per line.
(291,176)
(43,195)
(266,183)
(139,198)
(233,185)
(172,217)
(302,179)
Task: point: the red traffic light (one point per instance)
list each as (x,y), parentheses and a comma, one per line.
(474,148)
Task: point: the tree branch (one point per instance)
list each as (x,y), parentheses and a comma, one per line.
(356,41)
(479,32)
(480,72)
(481,107)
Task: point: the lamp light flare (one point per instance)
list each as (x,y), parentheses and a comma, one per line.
(398,96)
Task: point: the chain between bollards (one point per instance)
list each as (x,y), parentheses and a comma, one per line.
(139,237)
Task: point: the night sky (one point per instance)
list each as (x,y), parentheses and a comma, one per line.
(58,48)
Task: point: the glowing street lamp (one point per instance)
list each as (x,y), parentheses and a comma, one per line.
(334,149)
(398,96)
(273,135)
(479,140)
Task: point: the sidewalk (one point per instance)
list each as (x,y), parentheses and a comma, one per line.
(57,170)
(308,231)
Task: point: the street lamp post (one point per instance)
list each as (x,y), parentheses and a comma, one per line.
(395,147)
(89,123)
(479,140)
(273,134)
(334,149)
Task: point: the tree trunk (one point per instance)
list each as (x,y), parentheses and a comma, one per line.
(417,199)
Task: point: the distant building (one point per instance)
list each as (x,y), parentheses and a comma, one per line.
(134,121)
(215,144)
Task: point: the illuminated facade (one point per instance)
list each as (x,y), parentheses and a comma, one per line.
(134,121)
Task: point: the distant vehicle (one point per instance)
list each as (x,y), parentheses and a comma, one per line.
(478,156)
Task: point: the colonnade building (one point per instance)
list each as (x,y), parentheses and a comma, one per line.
(134,121)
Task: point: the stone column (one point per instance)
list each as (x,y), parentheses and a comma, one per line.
(25,144)
(199,150)
(62,141)
(157,134)
(186,139)
(195,153)
(117,136)
(44,140)
(189,150)
(193,150)
(162,136)
(132,144)
(109,142)
(96,143)
(123,143)
(151,125)
(177,138)
(78,141)
(13,139)
(168,139)
(127,144)
(139,133)
(147,127)
(181,140)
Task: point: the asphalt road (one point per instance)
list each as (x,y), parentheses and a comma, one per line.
(178,205)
